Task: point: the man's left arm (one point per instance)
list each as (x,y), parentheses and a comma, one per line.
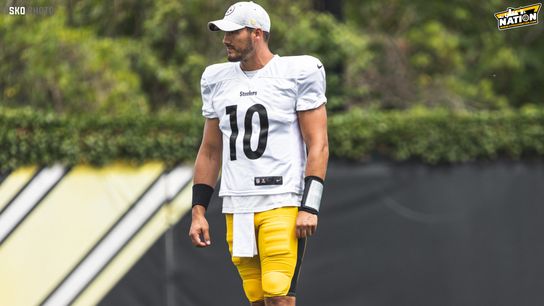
(313,125)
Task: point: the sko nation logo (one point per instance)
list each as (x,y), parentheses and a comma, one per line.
(518,17)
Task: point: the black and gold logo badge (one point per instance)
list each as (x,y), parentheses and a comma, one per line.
(518,17)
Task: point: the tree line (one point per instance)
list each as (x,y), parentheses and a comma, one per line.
(139,57)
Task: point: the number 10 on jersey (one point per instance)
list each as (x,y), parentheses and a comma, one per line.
(248,130)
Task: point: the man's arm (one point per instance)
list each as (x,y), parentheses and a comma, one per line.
(206,171)
(313,125)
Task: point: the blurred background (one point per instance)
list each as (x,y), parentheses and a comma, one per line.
(147,56)
(436,126)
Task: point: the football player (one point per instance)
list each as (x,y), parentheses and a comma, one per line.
(266,127)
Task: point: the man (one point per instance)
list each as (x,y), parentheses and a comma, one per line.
(266,125)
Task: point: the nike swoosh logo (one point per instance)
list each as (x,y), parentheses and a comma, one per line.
(319,66)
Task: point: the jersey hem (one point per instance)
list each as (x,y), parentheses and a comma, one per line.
(259,192)
(258,210)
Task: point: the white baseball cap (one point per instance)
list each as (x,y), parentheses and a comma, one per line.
(241,15)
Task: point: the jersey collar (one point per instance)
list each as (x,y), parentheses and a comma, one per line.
(243,75)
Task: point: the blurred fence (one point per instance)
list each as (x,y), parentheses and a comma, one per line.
(389,234)
(68,234)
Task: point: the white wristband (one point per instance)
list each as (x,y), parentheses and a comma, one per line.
(313,190)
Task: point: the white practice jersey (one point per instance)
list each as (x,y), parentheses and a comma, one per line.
(263,149)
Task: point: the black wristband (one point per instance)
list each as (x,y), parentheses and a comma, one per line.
(202,194)
(311,198)
(308,209)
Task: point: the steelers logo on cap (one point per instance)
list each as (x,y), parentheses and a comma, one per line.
(230,10)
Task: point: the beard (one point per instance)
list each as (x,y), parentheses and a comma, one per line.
(239,54)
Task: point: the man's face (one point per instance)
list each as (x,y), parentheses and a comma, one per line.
(239,44)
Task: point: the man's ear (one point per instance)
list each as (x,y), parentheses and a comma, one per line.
(259,34)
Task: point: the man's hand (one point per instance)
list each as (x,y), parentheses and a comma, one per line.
(306,224)
(200,230)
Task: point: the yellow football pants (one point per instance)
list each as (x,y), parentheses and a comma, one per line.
(274,271)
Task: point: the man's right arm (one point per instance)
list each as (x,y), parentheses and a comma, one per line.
(207,165)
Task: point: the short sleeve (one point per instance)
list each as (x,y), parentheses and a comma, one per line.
(311,87)
(207,106)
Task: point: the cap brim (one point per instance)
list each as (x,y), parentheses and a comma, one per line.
(224,25)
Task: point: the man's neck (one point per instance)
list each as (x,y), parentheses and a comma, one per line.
(256,62)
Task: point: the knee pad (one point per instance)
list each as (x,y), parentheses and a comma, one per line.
(250,272)
(253,290)
(276,283)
